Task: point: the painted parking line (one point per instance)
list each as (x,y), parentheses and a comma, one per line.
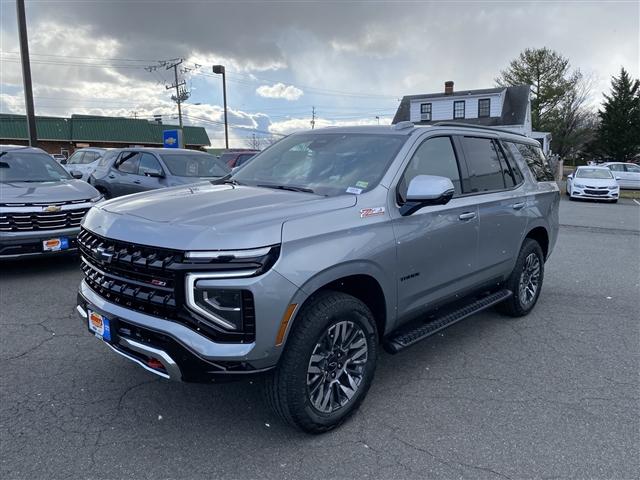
(636,201)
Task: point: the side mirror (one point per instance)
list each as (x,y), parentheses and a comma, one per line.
(618,178)
(63,161)
(570,176)
(426,190)
(76,174)
(154,173)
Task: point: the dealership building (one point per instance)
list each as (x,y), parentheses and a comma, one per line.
(65,135)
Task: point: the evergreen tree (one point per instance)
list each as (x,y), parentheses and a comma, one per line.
(618,135)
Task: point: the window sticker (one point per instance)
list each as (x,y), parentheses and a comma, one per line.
(371,212)
(361,184)
(354,190)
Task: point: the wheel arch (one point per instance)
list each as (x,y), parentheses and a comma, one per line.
(541,235)
(363,280)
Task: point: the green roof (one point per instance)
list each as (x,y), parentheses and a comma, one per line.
(89,128)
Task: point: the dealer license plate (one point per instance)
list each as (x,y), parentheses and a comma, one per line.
(55,244)
(99,325)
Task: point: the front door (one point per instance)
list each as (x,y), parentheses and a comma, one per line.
(437,246)
(124,173)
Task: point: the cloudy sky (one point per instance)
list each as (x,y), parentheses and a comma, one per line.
(352,61)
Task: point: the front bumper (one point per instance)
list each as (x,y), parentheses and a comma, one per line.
(29,243)
(596,194)
(196,357)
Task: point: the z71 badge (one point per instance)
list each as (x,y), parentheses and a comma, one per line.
(371,212)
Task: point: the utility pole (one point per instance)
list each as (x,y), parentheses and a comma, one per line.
(181,94)
(378,119)
(26,74)
(313,117)
(219,69)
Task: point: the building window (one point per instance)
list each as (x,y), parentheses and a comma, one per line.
(425,112)
(458,109)
(484,107)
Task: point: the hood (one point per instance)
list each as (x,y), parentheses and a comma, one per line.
(207,217)
(42,192)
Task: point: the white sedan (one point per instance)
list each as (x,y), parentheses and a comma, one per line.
(596,183)
(627,174)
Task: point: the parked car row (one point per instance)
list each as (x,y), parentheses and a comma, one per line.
(593,182)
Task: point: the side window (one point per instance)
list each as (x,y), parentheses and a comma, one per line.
(535,159)
(243,158)
(510,171)
(632,168)
(616,167)
(148,163)
(485,169)
(106,158)
(76,158)
(128,162)
(435,156)
(89,157)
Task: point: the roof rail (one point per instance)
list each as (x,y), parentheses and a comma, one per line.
(481,127)
(402,125)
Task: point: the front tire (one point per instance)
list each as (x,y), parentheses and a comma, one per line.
(525,280)
(328,364)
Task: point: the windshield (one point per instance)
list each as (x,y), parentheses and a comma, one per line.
(17,166)
(324,163)
(594,173)
(194,165)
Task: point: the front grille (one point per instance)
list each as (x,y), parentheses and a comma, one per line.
(26,221)
(597,192)
(151,280)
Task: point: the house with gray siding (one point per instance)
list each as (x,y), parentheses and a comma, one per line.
(508,108)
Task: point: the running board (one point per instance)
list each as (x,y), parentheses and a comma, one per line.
(408,336)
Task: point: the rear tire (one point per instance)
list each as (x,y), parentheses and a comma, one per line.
(328,363)
(525,281)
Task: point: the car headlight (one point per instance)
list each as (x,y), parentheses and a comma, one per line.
(613,187)
(97,199)
(579,185)
(221,306)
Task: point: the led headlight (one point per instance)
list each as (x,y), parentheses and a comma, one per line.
(97,199)
(578,185)
(223,307)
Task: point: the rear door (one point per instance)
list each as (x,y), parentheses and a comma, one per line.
(437,246)
(502,204)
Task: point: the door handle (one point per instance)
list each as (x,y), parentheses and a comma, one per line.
(137,182)
(467,215)
(519,205)
(112,176)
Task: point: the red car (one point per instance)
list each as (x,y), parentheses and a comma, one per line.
(237,157)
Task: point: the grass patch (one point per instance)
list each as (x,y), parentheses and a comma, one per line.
(630,194)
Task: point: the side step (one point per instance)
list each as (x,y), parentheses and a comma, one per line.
(413,334)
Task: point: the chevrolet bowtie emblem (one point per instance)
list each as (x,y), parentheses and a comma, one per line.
(103,255)
(51,208)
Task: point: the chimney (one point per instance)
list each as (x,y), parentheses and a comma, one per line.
(448,87)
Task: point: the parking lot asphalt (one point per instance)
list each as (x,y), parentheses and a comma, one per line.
(554,394)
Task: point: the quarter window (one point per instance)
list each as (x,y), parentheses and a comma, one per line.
(458,109)
(485,169)
(617,167)
(435,156)
(535,159)
(425,112)
(484,107)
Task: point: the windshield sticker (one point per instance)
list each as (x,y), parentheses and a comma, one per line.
(371,212)
(362,184)
(354,190)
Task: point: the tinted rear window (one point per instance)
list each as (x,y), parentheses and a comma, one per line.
(535,159)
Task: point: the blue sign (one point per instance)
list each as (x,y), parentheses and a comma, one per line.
(172,139)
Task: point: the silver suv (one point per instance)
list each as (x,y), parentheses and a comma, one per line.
(328,245)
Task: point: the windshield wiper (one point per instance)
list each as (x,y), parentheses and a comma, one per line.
(225,180)
(291,188)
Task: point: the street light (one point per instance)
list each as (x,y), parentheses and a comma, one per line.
(219,69)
